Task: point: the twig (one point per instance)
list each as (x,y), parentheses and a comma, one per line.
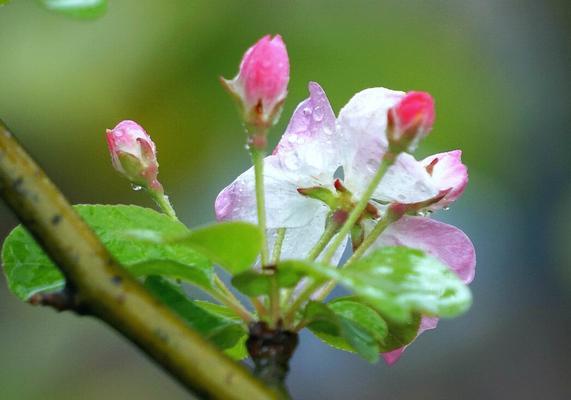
(108,291)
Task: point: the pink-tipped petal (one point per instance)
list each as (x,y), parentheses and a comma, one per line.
(310,144)
(426,323)
(406,182)
(285,207)
(392,357)
(445,242)
(447,172)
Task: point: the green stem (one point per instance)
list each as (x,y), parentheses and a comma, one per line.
(323,241)
(386,162)
(275,290)
(164,203)
(258,161)
(226,297)
(300,301)
(276,253)
(369,240)
(107,291)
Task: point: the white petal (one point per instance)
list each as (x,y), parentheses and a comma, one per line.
(406,181)
(362,124)
(309,145)
(285,207)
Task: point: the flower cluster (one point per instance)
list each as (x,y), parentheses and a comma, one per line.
(323,165)
(331,184)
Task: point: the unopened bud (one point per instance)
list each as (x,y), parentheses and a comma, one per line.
(409,121)
(261,83)
(134,155)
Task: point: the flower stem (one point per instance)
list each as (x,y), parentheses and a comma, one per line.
(258,161)
(300,301)
(386,162)
(226,297)
(324,240)
(276,253)
(369,240)
(164,203)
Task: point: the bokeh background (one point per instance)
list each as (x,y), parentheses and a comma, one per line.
(500,72)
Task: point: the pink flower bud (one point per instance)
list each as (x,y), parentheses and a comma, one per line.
(134,155)
(261,84)
(410,120)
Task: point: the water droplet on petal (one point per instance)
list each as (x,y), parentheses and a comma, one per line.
(424,213)
(318,114)
(446,208)
(307,111)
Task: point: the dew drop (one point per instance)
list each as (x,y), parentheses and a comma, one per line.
(307,111)
(136,187)
(446,208)
(424,213)
(318,114)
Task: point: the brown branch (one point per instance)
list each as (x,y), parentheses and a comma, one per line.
(103,287)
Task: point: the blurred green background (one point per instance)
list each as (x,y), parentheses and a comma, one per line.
(500,72)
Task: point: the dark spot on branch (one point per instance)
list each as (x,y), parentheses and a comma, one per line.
(116,280)
(229,378)
(18,182)
(163,337)
(121,298)
(56,219)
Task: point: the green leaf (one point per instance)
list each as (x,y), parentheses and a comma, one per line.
(344,327)
(218,309)
(223,332)
(28,270)
(399,282)
(255,283)
(399,334)
(233,245)
(86,9)
(197,275)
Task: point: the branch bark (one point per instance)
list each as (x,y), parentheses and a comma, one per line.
(102,288)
